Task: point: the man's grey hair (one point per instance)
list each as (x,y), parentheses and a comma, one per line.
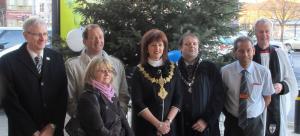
(241,39)
(32,21)
(263,21)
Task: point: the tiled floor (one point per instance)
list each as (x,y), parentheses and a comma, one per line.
(290,127)
(3,124)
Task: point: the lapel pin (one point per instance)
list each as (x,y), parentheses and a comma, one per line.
(48,58)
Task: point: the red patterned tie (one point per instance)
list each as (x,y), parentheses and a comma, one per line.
(243,101)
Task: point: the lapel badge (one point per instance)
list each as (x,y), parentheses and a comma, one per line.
(48,58)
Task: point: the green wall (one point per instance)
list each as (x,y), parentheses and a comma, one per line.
(68,19)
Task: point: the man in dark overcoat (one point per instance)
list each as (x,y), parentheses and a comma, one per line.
(34,84)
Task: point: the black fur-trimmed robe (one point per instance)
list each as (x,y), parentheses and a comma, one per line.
(206,99)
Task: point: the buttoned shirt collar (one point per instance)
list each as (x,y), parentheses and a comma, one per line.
(33,54)
(87,58)
(250,68)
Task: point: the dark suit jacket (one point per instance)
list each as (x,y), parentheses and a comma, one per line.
(99,117)
(33,100)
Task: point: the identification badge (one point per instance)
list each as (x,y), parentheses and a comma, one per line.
(244,95)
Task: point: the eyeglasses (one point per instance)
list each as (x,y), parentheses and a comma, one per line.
(105,71)
(37,34)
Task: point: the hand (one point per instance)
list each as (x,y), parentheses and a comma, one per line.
(36,133)
(277,87)
(200,125)
(163,128)
(48,130)
(158,133)
(167,122)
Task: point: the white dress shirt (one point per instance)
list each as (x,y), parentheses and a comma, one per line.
(259,84)
(33,54)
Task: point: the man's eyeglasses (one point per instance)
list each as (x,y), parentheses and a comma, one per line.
(37,34)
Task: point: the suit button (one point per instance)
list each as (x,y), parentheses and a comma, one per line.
(42,83)
(45,105)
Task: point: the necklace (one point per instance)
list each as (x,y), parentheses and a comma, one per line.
(189,84)
(160,81)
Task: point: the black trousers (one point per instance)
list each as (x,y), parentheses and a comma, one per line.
(255,126)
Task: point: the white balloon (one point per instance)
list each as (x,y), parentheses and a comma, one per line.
(74,40)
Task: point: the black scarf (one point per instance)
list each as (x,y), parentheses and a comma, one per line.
(273,114)
(274,65)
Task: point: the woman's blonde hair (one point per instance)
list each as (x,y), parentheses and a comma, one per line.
(94,66)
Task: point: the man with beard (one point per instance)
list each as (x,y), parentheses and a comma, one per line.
(201,87)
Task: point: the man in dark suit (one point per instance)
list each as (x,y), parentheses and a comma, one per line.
(35,85)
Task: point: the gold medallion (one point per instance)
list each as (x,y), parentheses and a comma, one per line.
(162,93)
(160,81)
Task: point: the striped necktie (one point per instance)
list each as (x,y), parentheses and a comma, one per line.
(243,101)
(38,63)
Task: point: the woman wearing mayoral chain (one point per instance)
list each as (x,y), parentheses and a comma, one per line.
(155,98)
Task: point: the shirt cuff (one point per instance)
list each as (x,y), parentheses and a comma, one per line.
(176,108)
(142,111)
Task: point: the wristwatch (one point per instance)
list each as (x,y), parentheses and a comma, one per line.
(169,120)
(52,126)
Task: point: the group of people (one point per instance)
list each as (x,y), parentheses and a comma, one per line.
(168,99)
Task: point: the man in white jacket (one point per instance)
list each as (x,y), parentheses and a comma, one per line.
(283,78)
(93,39)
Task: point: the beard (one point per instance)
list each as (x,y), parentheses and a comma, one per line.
(192,55)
